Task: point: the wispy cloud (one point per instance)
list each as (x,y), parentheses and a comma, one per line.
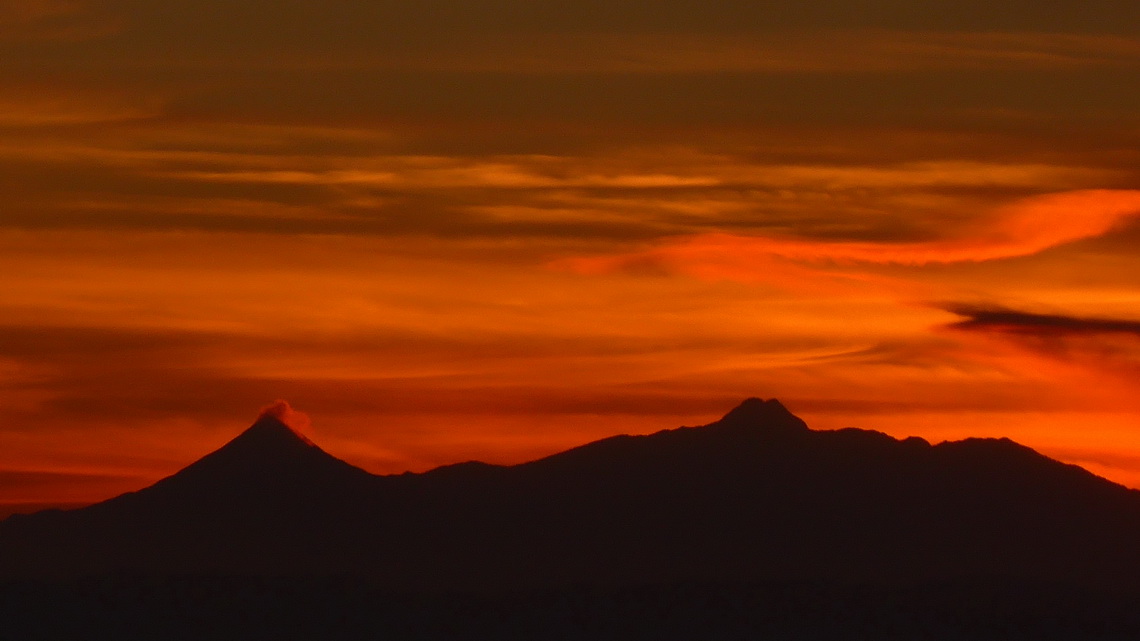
(47,106)
(1024,228)
(300,180)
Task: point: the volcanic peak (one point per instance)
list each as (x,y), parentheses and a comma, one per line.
(268,430)
(269,453)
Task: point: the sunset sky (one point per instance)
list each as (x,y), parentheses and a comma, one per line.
(452,230)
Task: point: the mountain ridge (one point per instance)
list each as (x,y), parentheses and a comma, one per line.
(756,495)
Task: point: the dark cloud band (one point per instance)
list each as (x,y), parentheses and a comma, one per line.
(997,319)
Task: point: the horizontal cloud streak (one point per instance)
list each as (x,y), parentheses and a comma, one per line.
(280,180)
(866,51)
(38,479)
(1108,349)
(996,319)
(1022,229)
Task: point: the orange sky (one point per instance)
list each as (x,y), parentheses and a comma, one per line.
(449,234)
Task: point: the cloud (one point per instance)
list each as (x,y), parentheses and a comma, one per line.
(1027,227)
(282,411)
(157,175)
(48,106)
(997,319)
(799,51)
(1107,348)
(677,169)
(37,479)
(28,490)
(569,39)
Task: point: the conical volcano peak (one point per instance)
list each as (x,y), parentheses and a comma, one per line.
(267,453)
(277,429)
(756,414)
(269,439)
(270,428)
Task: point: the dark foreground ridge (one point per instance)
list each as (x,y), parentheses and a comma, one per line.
(743,514)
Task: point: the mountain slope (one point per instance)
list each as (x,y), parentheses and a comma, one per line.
(248,506)
(754,496)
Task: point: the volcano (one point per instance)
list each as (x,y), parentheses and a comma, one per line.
(754,496)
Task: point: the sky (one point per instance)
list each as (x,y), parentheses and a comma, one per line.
(448,231)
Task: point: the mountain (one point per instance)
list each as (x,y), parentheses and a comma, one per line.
(755,496)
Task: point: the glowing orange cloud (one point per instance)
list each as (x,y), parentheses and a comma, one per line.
(1024,228)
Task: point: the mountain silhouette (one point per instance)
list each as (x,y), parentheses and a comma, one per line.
(269,461)
(755,496)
